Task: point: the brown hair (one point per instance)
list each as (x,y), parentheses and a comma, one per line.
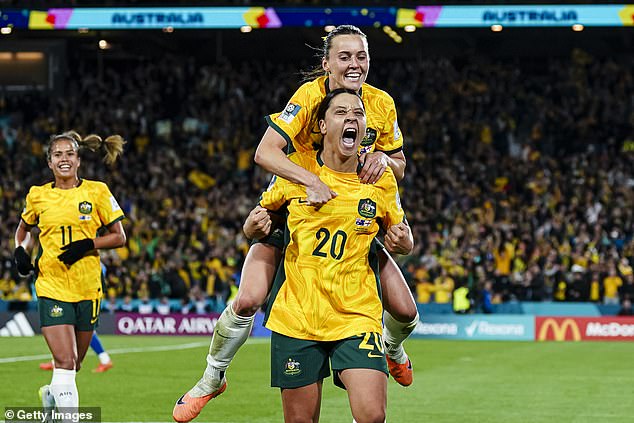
(113,145)
(325,103)
(322,53)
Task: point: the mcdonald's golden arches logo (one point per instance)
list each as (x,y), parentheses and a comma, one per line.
(560,329)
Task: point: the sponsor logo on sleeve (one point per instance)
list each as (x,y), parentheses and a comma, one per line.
(114,204)
(290,112)
(397,131)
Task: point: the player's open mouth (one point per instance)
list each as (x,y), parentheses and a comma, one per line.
(64,167)
(349,137)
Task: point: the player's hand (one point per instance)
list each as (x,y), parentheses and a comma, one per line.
(318,193)
(22,261)
(75,250)
(258,223)
(373,165)
(398,239)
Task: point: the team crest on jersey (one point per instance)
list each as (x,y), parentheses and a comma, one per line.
(369,138)
(367,208)
(292,367)
(290,112)
(56,311)
(85,207)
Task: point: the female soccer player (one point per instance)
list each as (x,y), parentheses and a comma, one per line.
(68,212)
(345,61)
(326,308)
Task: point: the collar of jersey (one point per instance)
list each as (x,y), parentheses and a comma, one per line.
(320,162)
(81,181)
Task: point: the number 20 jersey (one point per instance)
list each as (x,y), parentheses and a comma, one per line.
(328,287)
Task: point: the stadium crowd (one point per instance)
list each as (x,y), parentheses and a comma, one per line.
(519,181)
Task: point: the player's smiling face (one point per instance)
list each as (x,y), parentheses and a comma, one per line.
(64,160)
(344,124)
(348,62)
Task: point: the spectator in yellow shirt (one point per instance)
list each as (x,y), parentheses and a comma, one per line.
(611,284)
(443,287)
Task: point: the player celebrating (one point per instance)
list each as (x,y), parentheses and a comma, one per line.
(326,300)
(68,212)
(345,60)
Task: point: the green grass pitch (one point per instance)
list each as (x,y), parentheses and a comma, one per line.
(455,381)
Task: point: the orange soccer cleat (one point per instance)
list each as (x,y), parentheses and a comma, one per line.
(402,373)
(188,408)
(47,365)
(102,367)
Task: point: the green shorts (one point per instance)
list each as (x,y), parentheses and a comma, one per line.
(297,362)
(84,315)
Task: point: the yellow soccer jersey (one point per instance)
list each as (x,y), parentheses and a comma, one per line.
(63,216)
(328,287)
(298,122)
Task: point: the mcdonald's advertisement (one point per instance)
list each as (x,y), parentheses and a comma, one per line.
(584,329)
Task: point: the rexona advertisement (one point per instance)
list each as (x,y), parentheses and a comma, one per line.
(476,327)
(170,324)
(584,329)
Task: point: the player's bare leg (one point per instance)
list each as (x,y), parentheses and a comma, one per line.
(367,393)
(302,404)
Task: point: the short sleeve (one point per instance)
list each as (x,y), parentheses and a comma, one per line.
(109,209)
(295,117)
(274,197)
(30,215)
(394,213)
(391,139)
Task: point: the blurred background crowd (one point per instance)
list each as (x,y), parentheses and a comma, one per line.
(519,182)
